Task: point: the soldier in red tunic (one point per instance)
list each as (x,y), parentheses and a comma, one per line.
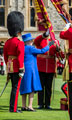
(47,68)
(14,55)
(66,34)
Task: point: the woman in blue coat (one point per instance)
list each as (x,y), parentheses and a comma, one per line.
(30,82)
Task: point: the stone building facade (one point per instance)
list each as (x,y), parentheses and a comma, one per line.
(27,8)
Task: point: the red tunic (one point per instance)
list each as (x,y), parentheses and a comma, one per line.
(60,64)
(14,47)
(67,35)
(47,65)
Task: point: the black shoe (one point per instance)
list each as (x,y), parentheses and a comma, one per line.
(48,107)
(29,109)
(18,111)
(23,109)
(41,107)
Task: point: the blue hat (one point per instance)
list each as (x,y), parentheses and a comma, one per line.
(27,37)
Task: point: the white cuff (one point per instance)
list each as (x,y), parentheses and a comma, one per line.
(21,75)
(67,26)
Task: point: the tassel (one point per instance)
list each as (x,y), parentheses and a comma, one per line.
(11,67)
(66,72)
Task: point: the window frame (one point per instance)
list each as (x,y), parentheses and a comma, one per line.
(27,26)
(30,7)
(70,4)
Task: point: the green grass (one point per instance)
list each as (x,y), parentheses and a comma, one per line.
(55,114)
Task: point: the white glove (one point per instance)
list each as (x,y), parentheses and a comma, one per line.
(21,75)
(67,26)
(47,32)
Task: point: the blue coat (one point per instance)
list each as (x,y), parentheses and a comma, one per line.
(31,81)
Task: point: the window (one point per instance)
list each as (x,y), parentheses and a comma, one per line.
(31,14)
(3,12)
(30,23)
(70,12)
(69,2)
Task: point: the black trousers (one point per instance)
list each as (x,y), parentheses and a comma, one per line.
(70,95)
(44,96)
(16,81)
(60,70)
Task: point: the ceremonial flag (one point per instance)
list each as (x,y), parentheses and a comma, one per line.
(42,14)
(58,7)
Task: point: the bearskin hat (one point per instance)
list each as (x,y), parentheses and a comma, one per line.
(15,23)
